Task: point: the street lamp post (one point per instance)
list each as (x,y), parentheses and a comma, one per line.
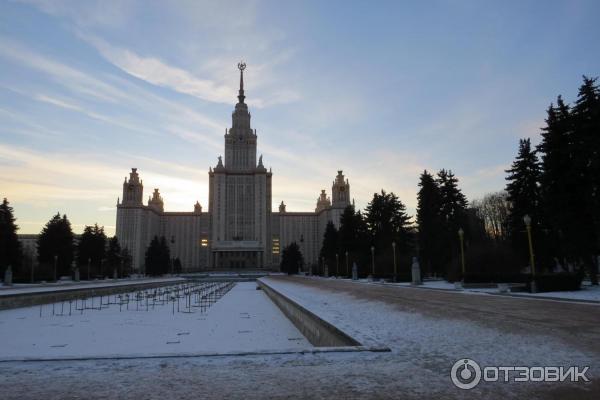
(395,269)
(373,261)
(32,267)
(337,264)
(347,263)
(55,262)
(527,220)
(461,236)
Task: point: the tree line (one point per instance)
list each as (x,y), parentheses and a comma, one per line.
(58,251)
(554,187)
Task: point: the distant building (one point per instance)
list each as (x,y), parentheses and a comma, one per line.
(239,230)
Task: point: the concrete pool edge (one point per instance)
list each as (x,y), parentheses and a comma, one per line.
(320,333)
(312,350)
(29,299)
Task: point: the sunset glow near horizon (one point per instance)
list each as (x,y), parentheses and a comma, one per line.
(89,90)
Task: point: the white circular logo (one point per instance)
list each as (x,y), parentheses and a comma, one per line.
(465,374)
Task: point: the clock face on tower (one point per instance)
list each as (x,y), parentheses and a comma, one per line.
(342,189)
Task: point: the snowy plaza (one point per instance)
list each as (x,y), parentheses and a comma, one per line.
(241,345)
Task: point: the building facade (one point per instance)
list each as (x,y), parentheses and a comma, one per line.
(239,229)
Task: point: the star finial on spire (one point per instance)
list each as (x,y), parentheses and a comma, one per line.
(241,66)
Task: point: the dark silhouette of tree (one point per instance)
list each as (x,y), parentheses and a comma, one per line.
(570,184)
(453,213)
(291,259)
(158,257)
(114,257)
(126,257)
(387,220)
(524,197)
(177,265)
(586,174)
(387,223)
(430,224)
(557,189)
(92,247)
(330,247)
(10,247)
(353,238)
(56,239)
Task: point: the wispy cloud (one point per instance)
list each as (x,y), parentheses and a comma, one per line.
(157,72)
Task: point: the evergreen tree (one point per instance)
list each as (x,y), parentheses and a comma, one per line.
(56,240)
(453,213)
(92,247)
(387,220)
(557,191)
(453,203)
(10,247)
(586,165)
(154,258)
(165,256)
(387,223)
(291,259)
(126,257)
(177,265)
(524,197)
(330,247)
(113,256)
(353,238)
(431,228)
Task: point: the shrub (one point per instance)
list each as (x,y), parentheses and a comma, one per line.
(562,281)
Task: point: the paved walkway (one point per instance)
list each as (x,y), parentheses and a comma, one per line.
(575,323)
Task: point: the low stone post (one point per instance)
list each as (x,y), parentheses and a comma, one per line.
(416,272)
(354,272)
(76,274)
(8,276)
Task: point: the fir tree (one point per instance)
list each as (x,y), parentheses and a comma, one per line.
(586,174)
(10,247)
(330,247)
(353,238)
(524,198)
(56,240)
(558,189)
(388,223)
(430,225)
(114,259)
(91,249)
(291,259)
(453,214)
(158,257)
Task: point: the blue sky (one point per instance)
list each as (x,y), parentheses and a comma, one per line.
(381,90)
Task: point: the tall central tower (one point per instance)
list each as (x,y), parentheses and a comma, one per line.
(240,197)
(240,139)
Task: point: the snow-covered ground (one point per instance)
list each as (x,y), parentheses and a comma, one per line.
(424,347)
(587,293)
(243,320)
